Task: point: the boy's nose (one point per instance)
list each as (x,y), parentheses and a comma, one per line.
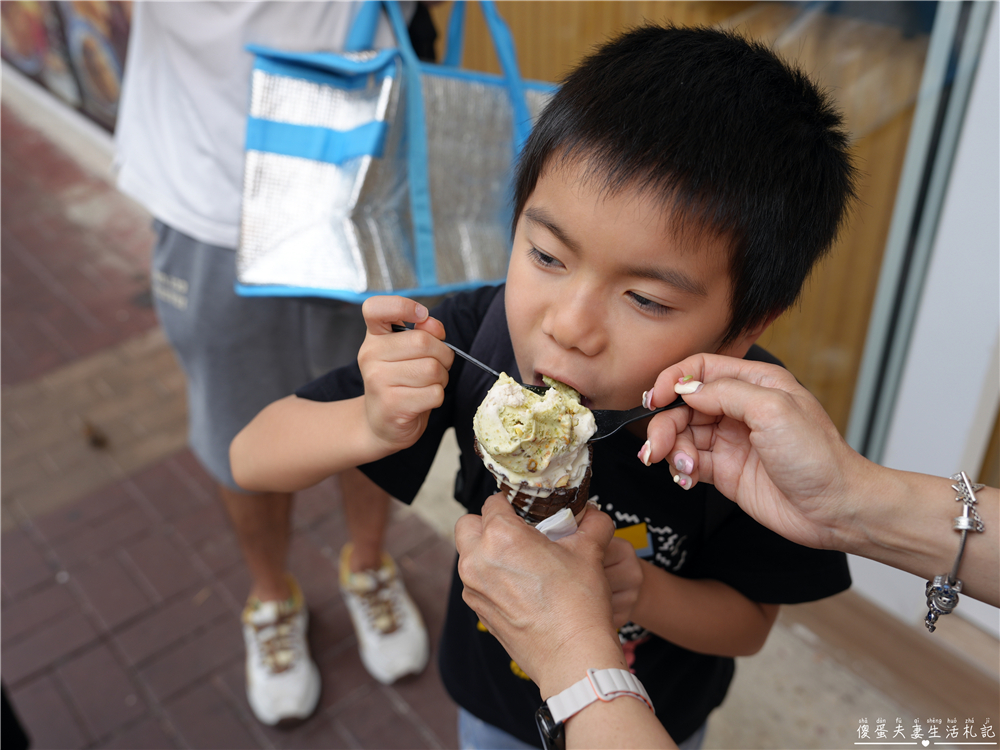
(574,321)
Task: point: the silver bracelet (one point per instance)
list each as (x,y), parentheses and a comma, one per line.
(942,592)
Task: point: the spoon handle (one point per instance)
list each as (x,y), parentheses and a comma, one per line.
(398,328)
(610,421)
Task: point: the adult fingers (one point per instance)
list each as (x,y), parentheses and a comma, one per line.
(497,510)
(707,368)
(669,437)
(596,527)
(468,532)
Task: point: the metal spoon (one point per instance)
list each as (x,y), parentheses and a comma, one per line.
(539,389)
(609,421)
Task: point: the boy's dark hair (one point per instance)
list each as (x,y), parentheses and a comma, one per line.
(733,140)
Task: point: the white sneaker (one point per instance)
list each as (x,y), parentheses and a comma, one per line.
(392,638)
(283,683)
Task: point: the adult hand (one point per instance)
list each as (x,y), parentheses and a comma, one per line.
(405,374)
(548,603)
(764,441)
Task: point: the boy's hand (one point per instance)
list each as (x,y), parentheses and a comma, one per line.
(405,373)
(624,573)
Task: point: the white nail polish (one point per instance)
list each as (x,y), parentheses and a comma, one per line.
(691,386)
(647,396)
(646,450)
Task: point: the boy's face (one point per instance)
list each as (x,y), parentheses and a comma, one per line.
(602,296)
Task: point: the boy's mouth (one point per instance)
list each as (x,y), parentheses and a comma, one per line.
(584,399)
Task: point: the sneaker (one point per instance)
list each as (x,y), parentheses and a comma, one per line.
(391,633)
(283,682)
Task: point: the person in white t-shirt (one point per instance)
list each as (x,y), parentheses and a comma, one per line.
(179,152)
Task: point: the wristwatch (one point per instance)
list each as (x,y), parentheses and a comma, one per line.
(599,685)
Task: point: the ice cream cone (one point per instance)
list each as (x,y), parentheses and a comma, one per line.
(534,505)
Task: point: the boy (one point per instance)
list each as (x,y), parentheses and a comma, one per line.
(671,200)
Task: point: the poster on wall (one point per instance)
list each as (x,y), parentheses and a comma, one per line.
(33,41)
(97,37)
(74,49)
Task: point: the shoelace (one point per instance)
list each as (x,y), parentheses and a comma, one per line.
(381,605)
(275,643)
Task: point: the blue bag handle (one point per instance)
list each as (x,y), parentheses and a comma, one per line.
(362,36)
(456,35)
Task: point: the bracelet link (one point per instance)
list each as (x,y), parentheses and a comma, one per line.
(942,592)
(942,598)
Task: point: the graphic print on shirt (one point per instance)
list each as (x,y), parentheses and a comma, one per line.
(660,545)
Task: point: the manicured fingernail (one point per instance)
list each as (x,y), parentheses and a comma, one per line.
(644,452)
(684,463)
(685,388)
(421,312)
(683,480)
(647,399)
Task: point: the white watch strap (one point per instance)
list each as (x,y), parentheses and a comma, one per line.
(599,685)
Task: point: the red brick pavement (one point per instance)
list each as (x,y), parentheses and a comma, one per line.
(75,254)
(120,610)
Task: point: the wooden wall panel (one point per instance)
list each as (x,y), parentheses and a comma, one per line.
(873,72)
(552,36)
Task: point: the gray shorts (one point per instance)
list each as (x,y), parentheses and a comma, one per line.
(239,353)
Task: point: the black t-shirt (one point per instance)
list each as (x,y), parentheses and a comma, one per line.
(694,534)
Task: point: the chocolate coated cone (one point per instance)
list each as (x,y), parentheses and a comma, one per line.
(534,509)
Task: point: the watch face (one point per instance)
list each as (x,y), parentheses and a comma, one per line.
(553,733)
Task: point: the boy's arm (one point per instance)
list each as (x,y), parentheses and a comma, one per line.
(703,615)
(295,443)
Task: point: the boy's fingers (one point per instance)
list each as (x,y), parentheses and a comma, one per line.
(433,326)
(382,311)
(409,345)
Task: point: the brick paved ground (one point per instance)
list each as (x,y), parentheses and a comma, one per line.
(121,582)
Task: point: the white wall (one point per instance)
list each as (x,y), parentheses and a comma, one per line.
(950,390)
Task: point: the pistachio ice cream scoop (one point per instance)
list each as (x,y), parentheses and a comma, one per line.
(536,446)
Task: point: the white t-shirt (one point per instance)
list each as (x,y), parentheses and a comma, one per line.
(182,115)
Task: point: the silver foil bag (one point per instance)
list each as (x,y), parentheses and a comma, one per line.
(344,229)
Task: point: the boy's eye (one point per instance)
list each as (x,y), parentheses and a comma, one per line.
(648,305)
(541,258)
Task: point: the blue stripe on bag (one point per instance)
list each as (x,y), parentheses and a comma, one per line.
(317,143)
(344,295)
(322,69)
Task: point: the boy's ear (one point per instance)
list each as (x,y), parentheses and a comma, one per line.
(741,346)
